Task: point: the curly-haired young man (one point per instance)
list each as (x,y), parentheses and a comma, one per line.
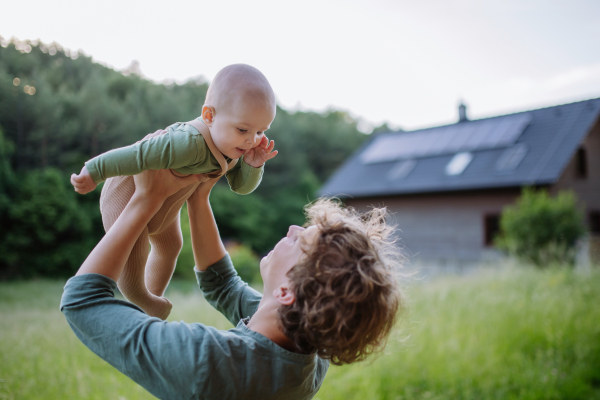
(329,296)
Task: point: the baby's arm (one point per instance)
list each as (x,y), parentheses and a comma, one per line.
(84,183)
(217,278)
(246,175)
(160,150)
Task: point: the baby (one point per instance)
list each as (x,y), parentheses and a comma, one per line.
(239,108)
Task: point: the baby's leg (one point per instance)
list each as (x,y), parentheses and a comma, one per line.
(131,283)
(166,246)
(116,193)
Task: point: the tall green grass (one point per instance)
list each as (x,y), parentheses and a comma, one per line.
(512,333)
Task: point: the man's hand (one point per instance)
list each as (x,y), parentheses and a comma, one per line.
(263,152)
(83,183)
(160,184)
(206,242)
(201,193)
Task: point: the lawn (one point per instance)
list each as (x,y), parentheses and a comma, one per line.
(507,333)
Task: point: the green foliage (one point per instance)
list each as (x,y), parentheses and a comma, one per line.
(246,263)
(81,109)
(6,150)
(540,229)
(514,333)
(45,231)
(244,259)
(384,128)
(185,261)
(7,177)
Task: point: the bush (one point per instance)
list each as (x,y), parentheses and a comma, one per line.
(45,230)
(244,259)
(540,229)
(246,263)
(184,268)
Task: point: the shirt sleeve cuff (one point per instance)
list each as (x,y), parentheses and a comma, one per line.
(94,173)
(222,269)
(247,168)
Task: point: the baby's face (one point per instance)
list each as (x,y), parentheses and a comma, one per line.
(240,128)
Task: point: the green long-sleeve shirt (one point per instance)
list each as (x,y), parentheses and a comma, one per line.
(182,148)
(176,360)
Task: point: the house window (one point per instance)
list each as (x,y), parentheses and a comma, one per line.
(595,222)
(581,164)
(491,226)
(459,162)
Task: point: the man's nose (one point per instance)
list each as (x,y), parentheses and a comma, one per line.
(294,228)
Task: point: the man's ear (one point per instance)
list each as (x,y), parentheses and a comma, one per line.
(284,295)
(208,114)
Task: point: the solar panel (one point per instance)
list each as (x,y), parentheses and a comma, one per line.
(500,134)
(442,140)
(461,137)
(511,157)
(401,169)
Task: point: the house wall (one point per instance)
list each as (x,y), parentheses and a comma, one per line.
(587,189)
(444,228)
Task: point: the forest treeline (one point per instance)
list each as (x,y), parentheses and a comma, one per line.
(59,108)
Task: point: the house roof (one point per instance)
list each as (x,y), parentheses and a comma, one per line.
(526,148)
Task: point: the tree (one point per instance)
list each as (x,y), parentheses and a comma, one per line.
(80,109)
(45,231)
(540,229)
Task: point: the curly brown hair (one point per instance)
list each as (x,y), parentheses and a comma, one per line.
(347,297)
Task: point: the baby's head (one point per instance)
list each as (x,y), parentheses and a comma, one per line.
(239,107)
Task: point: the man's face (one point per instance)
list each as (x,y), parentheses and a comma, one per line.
(287,253)
(240,127)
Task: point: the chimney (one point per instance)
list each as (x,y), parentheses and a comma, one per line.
(462,112)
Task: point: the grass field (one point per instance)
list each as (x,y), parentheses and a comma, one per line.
(511,333)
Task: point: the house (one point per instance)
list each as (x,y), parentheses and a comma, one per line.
(446,186)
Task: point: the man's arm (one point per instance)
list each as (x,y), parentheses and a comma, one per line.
(206,242)
(152,189)
(172,360)
(157,355)
(220,284)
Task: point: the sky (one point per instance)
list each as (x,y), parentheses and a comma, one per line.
(405,62)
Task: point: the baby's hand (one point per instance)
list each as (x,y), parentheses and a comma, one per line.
(263,152)
(83,183)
